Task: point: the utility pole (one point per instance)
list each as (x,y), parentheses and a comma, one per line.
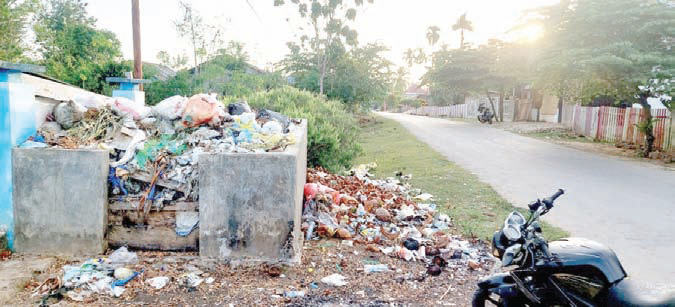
(136,24)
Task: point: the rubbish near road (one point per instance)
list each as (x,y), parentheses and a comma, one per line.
(158,282)
(336,280)
(95,276)
(385,216)
(190,280)
(373,268)
(122,256)
(294,294)
(154,151)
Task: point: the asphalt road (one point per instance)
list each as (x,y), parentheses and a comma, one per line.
(625,204)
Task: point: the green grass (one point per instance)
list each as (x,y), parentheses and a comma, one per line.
(476,209)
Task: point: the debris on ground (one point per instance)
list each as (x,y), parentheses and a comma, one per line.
(384,216)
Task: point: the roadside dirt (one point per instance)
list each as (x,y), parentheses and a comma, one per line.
(405,284)
(559,134)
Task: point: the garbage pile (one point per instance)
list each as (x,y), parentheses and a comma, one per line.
(385,216)
(98,276)
(154,150)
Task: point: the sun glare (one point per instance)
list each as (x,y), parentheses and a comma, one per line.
(530,33)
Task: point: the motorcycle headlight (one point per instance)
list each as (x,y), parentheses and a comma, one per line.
(515,218)
(512,232)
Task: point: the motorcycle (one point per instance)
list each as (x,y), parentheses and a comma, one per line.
(567,272)
(485,114)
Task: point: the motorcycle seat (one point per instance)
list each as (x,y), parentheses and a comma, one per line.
(627,293)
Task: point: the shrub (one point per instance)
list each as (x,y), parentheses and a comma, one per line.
(331,131)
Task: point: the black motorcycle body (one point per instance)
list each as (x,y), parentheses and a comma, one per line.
(484,114)
(567,272)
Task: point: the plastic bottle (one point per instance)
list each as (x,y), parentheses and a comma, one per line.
(373,268)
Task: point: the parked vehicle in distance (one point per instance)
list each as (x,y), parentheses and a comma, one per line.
(485,115)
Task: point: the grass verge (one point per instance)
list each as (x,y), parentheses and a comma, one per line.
(476,209)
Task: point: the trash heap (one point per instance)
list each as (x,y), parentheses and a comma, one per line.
(154,150)
(98,276)
(385,216)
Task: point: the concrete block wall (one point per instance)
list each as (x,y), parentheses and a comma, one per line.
(60,201)
(250,205)
(17,123)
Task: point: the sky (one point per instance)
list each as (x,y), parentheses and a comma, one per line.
(398,24)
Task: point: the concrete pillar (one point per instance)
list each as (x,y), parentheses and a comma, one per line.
(129,88)
(17,123)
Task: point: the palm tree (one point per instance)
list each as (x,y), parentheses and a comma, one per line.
(409,57)
(433,35)
(462,24)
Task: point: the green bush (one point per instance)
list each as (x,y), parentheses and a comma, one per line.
(332,131)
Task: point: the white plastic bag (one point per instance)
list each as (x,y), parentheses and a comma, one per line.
(334,280)
(272,127)
(158,282)
(170,108)
(129,108)
(91,101)
(123,256)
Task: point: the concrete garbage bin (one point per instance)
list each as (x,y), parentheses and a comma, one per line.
(250,205)
(60,201)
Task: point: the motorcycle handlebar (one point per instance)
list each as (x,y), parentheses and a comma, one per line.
(549,201)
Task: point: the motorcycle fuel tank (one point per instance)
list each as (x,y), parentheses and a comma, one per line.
(579,253)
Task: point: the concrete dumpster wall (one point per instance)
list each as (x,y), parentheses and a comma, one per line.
(17,123)
(60,201)
(250,205)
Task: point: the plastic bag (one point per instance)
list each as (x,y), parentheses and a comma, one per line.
(238,108)
(68,113)
(158,282)
(170,108)
(200,109)
(334,280)
(91,101)
(129,108)
(272,127)
(123,256)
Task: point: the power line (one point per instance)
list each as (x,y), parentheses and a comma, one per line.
(254,11)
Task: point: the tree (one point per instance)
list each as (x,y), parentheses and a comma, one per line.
(329,23)
(205,39)
(462,25)
(433,35)
(13,21)
(357,77)
(176,61)
(598,46)
(73,50)
(605,49)
(414,56)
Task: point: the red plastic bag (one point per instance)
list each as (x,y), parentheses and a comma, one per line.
(200,109)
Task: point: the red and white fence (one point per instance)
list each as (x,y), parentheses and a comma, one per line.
(613,124)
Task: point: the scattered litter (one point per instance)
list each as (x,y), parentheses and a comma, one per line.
(190,280)
(336,280)
(123,256)
(411,244)
(186,222)
(372,268)
(123,273)
(294,294)
(120,282)
(158,282)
